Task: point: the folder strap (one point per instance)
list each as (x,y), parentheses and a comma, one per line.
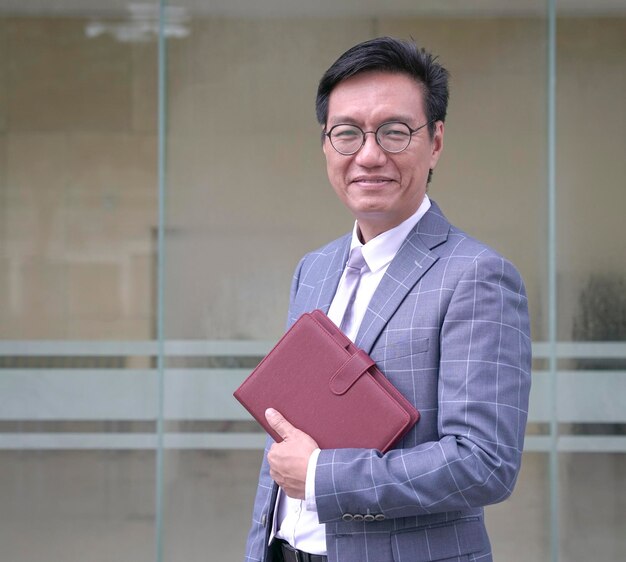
(350,372)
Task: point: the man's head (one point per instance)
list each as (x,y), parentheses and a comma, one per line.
(382,105)
(387,54)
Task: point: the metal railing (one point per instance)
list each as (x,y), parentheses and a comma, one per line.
(88,406)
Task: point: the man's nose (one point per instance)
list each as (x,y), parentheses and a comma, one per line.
(371,153)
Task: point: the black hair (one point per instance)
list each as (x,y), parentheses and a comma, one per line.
(390,55)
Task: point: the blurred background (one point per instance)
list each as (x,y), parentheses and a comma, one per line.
(160,177)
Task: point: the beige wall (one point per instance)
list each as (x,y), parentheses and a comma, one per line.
(273,194)
(270,201)
(78,154)
(246,175)
(591,162)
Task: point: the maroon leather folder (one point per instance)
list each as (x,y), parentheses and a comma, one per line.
(327,387)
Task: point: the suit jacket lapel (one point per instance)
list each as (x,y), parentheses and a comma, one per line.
(326,286)
(414,258)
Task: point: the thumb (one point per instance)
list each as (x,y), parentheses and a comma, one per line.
(278,423)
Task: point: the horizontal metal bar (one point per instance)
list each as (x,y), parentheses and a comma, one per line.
(582,397)
(537,443)
(119,394)
(206,394)
(581,350)
(235,441)
(172,348)
(576,444)
(129,441)
(591,444)
(243,348)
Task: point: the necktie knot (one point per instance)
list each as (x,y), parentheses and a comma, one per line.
(356,259)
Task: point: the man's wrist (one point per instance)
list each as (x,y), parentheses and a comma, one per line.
(309,492)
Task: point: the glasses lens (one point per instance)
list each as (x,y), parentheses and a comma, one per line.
(346,139)
(394,137)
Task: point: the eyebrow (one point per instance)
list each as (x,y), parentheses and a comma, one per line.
(339,119)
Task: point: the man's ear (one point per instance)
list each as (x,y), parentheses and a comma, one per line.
(436,144)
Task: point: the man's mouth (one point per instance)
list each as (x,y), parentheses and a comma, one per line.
(371,180)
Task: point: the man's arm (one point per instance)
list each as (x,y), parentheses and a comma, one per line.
(484,381)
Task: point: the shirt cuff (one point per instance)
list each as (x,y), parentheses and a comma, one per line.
(309,491)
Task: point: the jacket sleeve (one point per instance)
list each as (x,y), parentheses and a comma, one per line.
(482,401)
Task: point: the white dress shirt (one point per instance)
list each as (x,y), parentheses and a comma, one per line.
(296,520)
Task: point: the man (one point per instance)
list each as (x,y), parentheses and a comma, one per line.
(444,317)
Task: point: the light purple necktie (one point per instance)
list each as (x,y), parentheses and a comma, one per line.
(354,269)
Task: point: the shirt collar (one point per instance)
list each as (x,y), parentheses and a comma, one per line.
(379,251)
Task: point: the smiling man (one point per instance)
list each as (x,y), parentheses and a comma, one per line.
(381,187)
(444,317)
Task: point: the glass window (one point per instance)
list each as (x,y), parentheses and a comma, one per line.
(123,332)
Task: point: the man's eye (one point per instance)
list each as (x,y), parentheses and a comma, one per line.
(346,133)
(397,133)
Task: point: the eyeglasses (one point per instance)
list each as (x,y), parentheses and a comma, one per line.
(392,137)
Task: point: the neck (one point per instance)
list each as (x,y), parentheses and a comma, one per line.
(367,232)
(371,224)
(369,227)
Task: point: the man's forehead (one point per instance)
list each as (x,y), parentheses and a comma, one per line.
(396,94)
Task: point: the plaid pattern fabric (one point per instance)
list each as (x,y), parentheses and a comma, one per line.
(448,325)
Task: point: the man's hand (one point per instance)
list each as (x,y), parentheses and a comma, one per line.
(289,458)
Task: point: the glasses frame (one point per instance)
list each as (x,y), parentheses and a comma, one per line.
(375,133)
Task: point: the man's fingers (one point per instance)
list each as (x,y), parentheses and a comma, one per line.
(279,424)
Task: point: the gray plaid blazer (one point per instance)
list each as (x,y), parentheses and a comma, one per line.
(448,325)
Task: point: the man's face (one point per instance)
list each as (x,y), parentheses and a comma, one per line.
(381,189)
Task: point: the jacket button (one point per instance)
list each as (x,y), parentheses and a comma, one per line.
(358,517)
(347,517)
(369,518)
(379,517)
(264,520)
